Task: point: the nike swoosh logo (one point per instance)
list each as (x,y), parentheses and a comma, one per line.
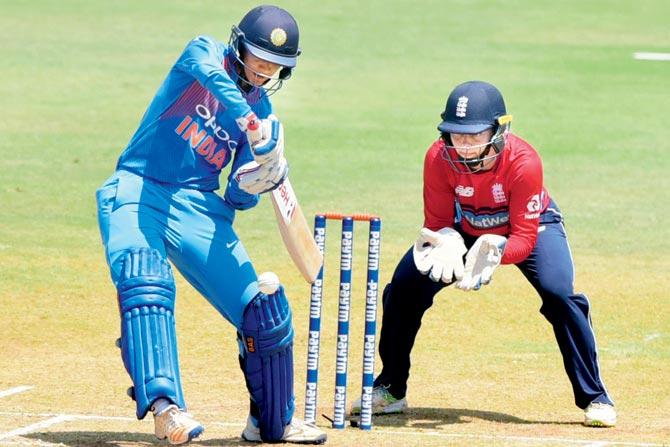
(230,244)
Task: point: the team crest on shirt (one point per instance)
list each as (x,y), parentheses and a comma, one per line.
(498,193)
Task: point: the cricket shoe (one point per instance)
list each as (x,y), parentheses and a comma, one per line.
(297,432)
(383,402)
(599,414)
(177,426)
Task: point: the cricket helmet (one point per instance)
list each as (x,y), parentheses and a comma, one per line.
(472,108)
(269,33)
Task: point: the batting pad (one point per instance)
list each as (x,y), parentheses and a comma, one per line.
(267,335)
(148,340)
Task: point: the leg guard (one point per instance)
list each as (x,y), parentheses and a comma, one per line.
(405,301)
(148,340)
(267,336)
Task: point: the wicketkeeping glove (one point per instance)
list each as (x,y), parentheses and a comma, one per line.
(481,261)
(440,253)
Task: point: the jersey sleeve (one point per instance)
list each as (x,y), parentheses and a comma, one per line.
(234,195)
(438,195)
(201,60)
(524,210)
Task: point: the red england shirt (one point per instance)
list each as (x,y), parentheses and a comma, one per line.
(506,200)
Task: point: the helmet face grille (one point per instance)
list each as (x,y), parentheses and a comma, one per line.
(473,107)
(483,154)
(470,165)
(272,85)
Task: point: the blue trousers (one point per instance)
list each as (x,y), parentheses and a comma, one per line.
(194,229)
(550,270)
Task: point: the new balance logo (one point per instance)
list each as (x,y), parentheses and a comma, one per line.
(465,191)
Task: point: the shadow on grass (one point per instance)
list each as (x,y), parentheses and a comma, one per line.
(435,417)
(118,439)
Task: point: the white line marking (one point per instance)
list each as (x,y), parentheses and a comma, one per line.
(228,424)
(651,337)
(15,390)
(73,416)
(58,418)
(652,56)
(36,426)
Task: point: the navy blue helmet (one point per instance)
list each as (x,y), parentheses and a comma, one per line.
(269,33)
(474,107)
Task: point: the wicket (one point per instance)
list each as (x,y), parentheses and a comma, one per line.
(346,258)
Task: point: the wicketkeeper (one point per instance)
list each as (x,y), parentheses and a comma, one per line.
(212,110)
(485,205)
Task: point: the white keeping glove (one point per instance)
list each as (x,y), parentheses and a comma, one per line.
(481,261)
(255,178)
(440,253)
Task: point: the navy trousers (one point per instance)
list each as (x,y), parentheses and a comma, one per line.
(550,270)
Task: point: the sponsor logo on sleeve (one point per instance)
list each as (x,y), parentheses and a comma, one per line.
(533,207)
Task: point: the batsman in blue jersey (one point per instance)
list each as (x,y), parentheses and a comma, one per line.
(211,111)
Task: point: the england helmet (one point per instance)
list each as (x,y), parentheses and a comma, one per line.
(474,107)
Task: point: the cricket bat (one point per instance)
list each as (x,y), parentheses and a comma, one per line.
(295,232)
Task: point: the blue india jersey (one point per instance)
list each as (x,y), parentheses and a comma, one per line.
(189,133)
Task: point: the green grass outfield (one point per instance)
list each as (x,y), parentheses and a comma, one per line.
(360,112)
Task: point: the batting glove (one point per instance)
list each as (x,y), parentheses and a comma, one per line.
(270,148)
(251,126)
(440,254)
(255,178)
(481,261)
